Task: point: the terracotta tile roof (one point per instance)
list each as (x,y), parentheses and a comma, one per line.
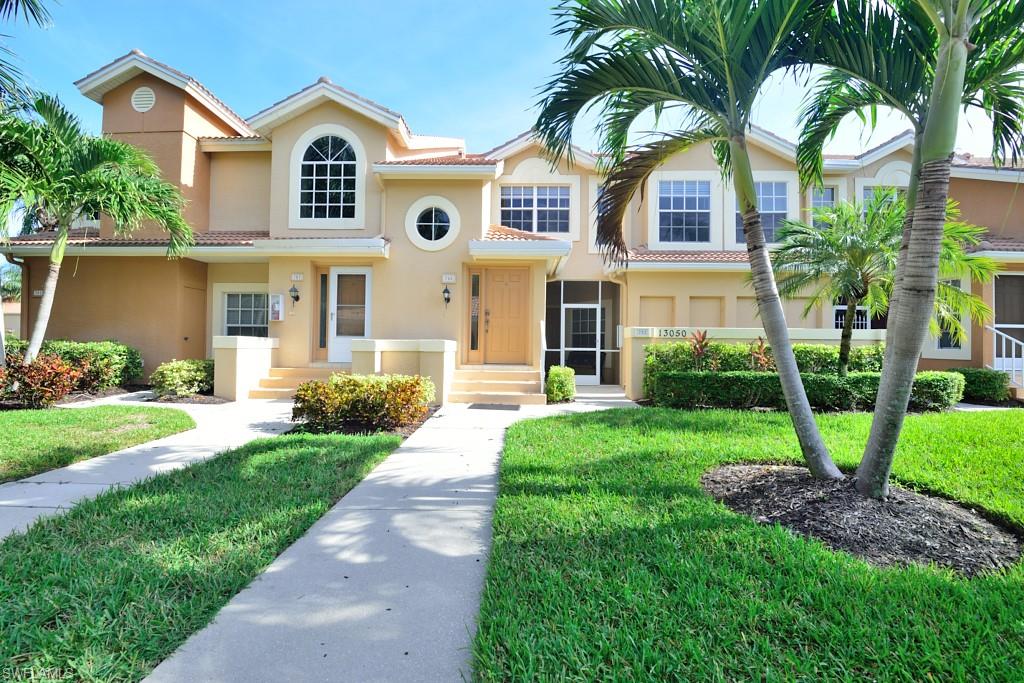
(993,243)
(644,255)
(971,161)
(328,82)
(231,137)
(500,233)
(241,238)
(447,160)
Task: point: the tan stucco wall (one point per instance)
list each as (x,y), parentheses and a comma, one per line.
(240,191)
(150,303)
(993,205)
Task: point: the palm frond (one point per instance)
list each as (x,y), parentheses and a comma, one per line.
(32,11)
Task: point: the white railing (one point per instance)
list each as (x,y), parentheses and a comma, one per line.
(1008,355)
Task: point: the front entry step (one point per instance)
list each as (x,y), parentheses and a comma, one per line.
(501,384)
(283,382)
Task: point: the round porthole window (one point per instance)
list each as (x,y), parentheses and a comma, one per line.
(432,223)
(143,99)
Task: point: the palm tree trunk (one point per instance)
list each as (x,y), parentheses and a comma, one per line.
(892,323)
(49,290)
(916,298)
(3,337)
(846,339)
(769,307)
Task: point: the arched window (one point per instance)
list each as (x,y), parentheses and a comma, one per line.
(328,179)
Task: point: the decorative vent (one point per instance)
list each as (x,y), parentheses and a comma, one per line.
(143,99)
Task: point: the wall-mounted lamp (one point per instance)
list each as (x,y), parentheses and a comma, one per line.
(294,294)
(447,294)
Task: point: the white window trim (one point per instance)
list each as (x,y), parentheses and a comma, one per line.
(931,346)
(717,205)
(792,180)
(295,173)
(218,294)
(593,185)
(895,174)
(840,186)
(428,202)
(536,172)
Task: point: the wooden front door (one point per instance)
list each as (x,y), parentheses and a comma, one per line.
(506,299)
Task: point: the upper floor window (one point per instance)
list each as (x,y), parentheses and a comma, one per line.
(684,210)
(772,203)
(542,208)
(823,198)
(328,179)
(860,318)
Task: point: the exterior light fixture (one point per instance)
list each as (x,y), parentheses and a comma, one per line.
(294,294)
(447,295)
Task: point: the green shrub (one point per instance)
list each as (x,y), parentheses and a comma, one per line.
(561,384)
(735,357)
(41,383)
(362,402)
(183,377)
(856,391)
(104,364)
(983,385)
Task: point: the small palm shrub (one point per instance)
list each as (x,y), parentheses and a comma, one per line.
(183,377)
(41,383)
(362,402)
(561,384)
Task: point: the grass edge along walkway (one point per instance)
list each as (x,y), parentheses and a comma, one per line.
(108,590)
(610,563)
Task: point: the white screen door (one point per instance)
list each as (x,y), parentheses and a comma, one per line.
(1009,319)
(349,311)
(581,344)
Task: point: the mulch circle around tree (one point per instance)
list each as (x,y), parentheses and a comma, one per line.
(905,528)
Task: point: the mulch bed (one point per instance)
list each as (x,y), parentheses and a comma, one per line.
(905,528)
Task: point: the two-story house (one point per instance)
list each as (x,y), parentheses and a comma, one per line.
(330,237)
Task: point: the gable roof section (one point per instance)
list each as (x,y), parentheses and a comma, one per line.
(124,68)
(324,90)
(527,139)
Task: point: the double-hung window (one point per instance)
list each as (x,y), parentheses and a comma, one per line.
(245,314)
(541,208)
(823,198)
(773,204)
(684,210)
(947,340)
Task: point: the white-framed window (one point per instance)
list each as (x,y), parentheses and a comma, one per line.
(536,208)
(327,180)
(772,203)
(861,320)
(245,314)
(432,223)
(946,339)
(684,210)
(823,197)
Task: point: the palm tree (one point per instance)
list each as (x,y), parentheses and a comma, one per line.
(849,254)
(706,60)
(925,59)
(10,283)
(32,11)
(49,164)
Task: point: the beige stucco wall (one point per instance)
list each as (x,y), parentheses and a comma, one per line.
(993,205)
(151,303)
(239,191)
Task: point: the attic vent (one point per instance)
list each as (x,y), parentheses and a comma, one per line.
(143,99)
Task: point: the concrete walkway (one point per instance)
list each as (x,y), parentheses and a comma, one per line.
(385,586)
(218,428)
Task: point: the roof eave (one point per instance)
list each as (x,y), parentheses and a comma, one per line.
(691,266)
(309,97)
(398,171)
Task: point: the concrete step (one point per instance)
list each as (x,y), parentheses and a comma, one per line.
(489,385)
(285,382)
(272,393)
(507,398)
(499,373)
(303,374)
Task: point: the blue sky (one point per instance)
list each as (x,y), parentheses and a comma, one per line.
(466,68)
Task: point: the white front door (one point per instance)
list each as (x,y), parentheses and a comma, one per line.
(348,311)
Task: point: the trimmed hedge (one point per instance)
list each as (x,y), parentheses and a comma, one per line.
(183,377)
(984,385)
(362,402)
(41,383)
(737,357)
(103,364)
(747,389)
(561,384)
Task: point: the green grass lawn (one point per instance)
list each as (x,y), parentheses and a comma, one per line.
(34,441)
(107,591)
(610,562)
